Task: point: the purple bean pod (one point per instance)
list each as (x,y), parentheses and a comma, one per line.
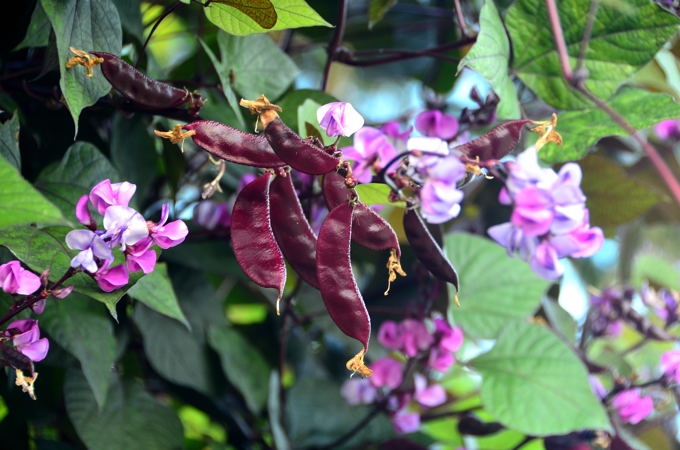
(292,230)
(339,290)
(301,154)
(426,249)
(253,239)
(496,143)
(233,145)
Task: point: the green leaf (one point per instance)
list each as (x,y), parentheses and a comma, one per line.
(499,288)
(38,32)
(80,169)
(81,327)
(87,25)
(582,129)
(622,41)
(9,141)
(155,291)
(533,383)
(243,364)
(131,418)
(291,14)
(261,11)
(377,9)
(490,56)
(614,197)
(20,203)
(376,194)
(255,65)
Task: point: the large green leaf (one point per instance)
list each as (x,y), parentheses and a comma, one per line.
(155,291)
(255,65)
(290,14)
(533,383)
(262,12)
(9,141)
(496,288)
(80,326)
(582,129)
(87,25)
(243,364)
(20,203)
(80,169)
(131,417)
(490,56)
(622,41)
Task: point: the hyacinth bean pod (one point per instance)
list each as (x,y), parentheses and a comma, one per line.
(292,230)
(301,154)
(426,249)
(335,190)
(496,143)
(370,230)
(253,239)
(141,89)
(339,290)
(233,145)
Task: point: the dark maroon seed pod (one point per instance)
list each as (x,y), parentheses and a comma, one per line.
(426,249)
(335,190)
(339,290)
(370,230)
(496,143)
(292,230)
(252,237)
(138,87)
(297,152)
(233,145)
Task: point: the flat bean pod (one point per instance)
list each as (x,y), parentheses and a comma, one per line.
(292,230)
(141,89)
(233,145)
(496,143)
(297,152)
(253,239)
(334,190)
(426,248)
(339,290)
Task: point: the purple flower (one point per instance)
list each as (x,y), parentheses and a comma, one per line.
(668,129)
(105,194)
(435,123)
(168,235)
(140,256)
(450,338)
(670,365)
(25,336)
(415,337)
(124,226)
(113,278)
(393,130)
(632,407)
(440,359)
(371,151)
(439,198)
(94,252)
(387,372)
(14,279)
(390,336)
(213,215)
(358,391)
(406,422)
(339,119)
(83,212)
(428,396)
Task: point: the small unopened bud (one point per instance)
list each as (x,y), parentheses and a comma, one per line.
(62,292)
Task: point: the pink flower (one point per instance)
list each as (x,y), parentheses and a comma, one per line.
(25,336)
(358,391)
(105,194)
(440,359)
(435,123)
(83,212)
(670,365)
(168,235)
(428,396)
(406,422)
(14,279)
(416,337)
(390,336)
(339,119)
(371,151)
(140,256)
(113,278)
(449,338)
(632,407)
(387,372)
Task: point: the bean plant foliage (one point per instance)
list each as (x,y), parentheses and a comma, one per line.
(297,224)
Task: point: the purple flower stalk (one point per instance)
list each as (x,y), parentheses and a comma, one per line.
(25,336)
(14,279)
(549,219)
(339,119)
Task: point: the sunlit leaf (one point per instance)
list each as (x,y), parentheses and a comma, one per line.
(622,41)
(490,56)
(377,9)
(291,14)
(376,194)
(261,11)
(533,383)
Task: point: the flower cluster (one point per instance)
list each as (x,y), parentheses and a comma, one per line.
(434,343)
(123,228)
(549,219)
(631,406)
